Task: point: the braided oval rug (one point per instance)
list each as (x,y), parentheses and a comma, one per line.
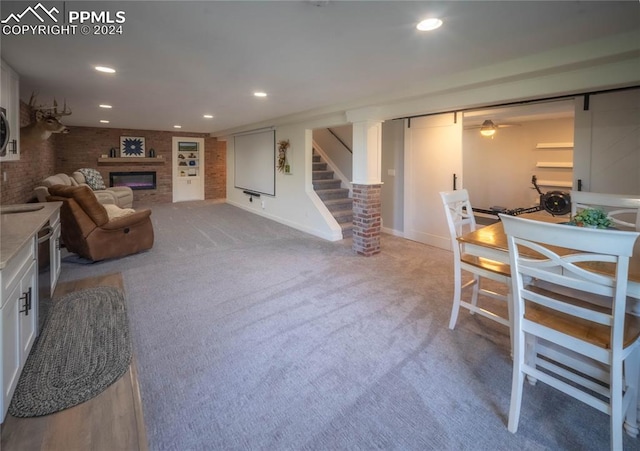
(83,348)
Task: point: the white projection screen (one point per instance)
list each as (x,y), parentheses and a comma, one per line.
(255,162)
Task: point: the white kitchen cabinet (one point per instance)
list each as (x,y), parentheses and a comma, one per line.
(10,102)
(188,169)
(22,227)
(18,317)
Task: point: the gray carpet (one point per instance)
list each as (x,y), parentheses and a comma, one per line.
(83,348)
(251,335)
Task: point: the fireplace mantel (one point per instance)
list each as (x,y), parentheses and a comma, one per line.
(131,160)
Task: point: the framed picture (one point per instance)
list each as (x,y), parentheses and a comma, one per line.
(132,146)
(187,146)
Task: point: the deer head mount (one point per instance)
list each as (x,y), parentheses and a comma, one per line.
(47,122)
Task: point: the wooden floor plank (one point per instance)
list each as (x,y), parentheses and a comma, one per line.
(112,420)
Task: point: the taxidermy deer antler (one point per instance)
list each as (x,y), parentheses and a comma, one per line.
(47,122)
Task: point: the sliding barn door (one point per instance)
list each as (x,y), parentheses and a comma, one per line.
(433,156)
(607,142)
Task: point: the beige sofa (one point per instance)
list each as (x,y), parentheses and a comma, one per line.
(122,196)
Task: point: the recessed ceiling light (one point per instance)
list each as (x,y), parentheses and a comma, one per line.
(177,126)
(208,116)
(105,106)
(105,69)
(260,94)
(103,121)
(429,24)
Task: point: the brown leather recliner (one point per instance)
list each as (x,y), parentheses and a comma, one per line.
(87,231)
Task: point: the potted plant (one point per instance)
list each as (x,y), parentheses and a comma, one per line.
(592,217)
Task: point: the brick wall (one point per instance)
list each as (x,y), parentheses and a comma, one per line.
(82,147)
(215,161)
(36,163)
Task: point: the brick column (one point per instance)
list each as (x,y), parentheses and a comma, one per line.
(367,181)
(366,219)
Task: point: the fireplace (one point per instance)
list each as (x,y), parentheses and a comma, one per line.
(134,180)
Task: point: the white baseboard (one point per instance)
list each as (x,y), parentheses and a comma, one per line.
(310,231)
(393,232)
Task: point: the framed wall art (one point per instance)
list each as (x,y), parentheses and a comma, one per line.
(187,146)
(132,146)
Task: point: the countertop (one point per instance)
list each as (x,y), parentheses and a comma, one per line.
(19,223)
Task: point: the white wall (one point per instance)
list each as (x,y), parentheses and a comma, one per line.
(590,66)
(497,171)
(295,203)
(335,150)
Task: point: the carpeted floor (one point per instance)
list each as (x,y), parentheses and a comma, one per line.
(252,335)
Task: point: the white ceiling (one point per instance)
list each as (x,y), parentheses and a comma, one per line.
(176,61)
(517,114)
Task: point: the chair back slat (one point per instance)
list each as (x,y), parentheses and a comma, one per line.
(460,217)
(622,209)
(565,269)
(568,308)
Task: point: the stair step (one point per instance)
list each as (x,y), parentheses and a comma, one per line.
(343,216)
(334,193)
(336,199)
(326,184)
(347,230)
(339,204)
(320,175)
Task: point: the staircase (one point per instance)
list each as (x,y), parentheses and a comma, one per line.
(334,197)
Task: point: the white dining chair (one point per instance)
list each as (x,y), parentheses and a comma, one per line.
(460,220)
(559,297)
(622,209)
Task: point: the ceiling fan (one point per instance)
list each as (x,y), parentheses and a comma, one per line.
(489,128)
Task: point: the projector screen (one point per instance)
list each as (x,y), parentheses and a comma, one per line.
(255,162)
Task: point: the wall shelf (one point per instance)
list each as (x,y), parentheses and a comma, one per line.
(556,184)
(555,164)
(554,145)
(131,160)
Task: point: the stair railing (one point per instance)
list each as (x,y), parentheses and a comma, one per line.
(339,140)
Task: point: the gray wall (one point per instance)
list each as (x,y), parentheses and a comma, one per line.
(392,193)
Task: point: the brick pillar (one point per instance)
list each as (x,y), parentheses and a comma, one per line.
(366,219)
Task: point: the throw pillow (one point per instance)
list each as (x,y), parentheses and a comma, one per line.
(114,212)
(93,178)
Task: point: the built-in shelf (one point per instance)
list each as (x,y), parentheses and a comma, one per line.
(554,164)
(554,145)
(131,160)
(557,184)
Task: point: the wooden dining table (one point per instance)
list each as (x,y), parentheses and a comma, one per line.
(491,242)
